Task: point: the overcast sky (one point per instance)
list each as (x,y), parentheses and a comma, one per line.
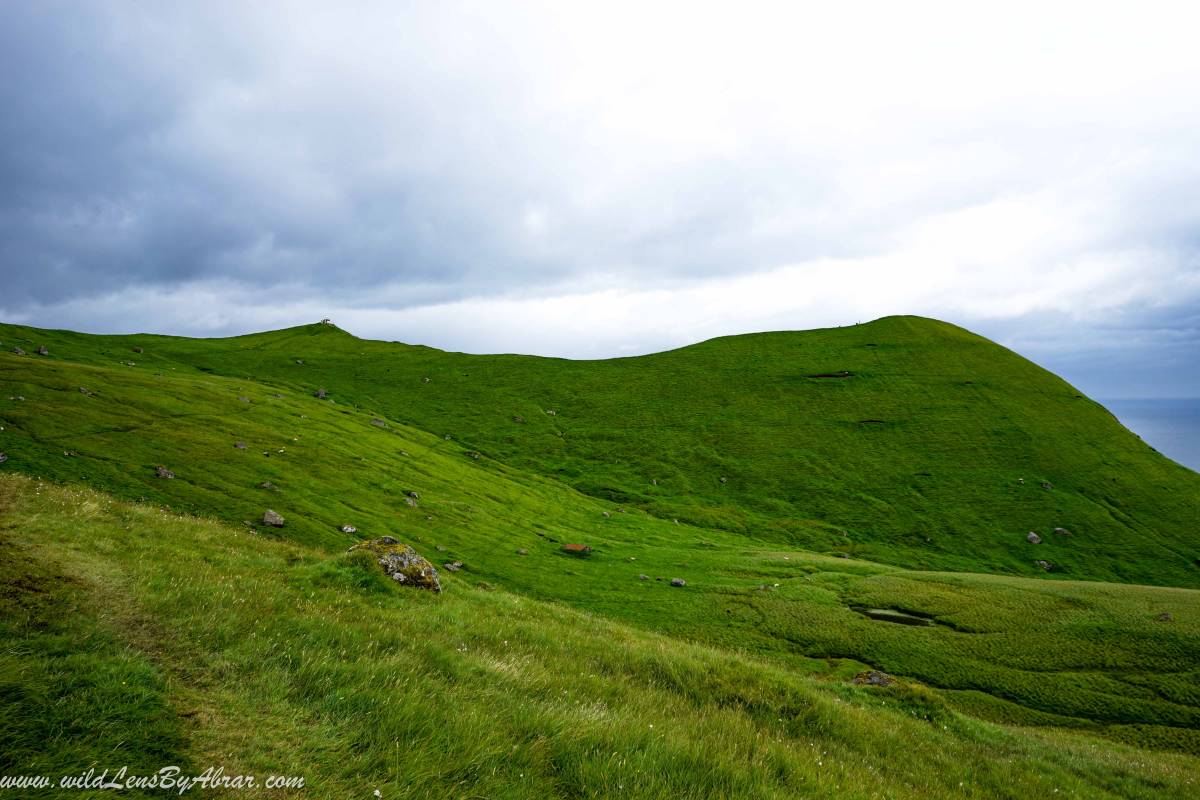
(607,179)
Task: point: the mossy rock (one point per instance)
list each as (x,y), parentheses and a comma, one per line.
(402,563)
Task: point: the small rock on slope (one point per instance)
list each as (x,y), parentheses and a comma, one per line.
(163,472)
(1033,538)
(271,518)
(402,563)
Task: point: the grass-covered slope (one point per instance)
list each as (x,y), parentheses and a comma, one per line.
(135,637)
(922,445)
(1080,655)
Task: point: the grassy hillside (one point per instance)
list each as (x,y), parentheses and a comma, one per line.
(135,637)
(930,452)
(791,572)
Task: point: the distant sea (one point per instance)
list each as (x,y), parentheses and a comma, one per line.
(1172,427)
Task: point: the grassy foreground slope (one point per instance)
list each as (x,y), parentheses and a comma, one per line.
(1075,655)
(135,637)
(905,440)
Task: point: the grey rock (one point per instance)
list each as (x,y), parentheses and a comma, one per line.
(239,445)
(1047,485)
(643,577)
(320,394)
(163,472)
(1062,531)
(678,582)
(1033,538)
(1165,617)
(414,495)
(551,412)
(724,479)
(475,454)
(18,351)
(453,566)
(243,399)
(271,518)
(402,564)
(1046,565)
(85,391)
(521,551)
(409,501)
(873,677)
(42,351)
(3,457)
(349,529)
(606,514)
(270,487)
(378,423)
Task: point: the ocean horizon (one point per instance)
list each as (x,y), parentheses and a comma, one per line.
(1169,425)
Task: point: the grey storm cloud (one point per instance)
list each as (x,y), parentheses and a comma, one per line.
(590,180)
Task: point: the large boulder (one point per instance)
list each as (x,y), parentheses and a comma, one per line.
(401,563)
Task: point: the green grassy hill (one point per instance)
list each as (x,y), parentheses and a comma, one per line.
(892,489)
(931,452)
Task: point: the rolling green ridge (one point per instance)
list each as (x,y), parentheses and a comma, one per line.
(896,488)
(930,455)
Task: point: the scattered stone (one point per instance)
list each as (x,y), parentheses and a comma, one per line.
(3,457)
(277,396)
(724,479)
(1046,565)
(18,351)
(1033,538)
(426,379)
(42,351)
(441,548)
(1062,531)
(654,481)
(1047,485)
(410,502)
(842,555)
(137,349)
(414,495)
(243,399)
(129,363)
(521,551)
(678,582)
(643,577)
(475,454)
(448,437)
(70,453)
(577,549)
(551,412)
(402,563)
(519,419)
(1165,617)
(632,558)
(620,511)
(349,529)
(1021,481)
(606,514)
(300,361)
(320,394)
(163,472)
(453,566)
(239,445)
(270,487)
(378,423)
(873,677)
(85,391)
(271,518)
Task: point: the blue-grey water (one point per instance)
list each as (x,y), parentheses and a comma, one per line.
(1170,426)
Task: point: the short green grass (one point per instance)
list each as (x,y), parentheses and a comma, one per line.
(917,459)
(135,637)
(629,464)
